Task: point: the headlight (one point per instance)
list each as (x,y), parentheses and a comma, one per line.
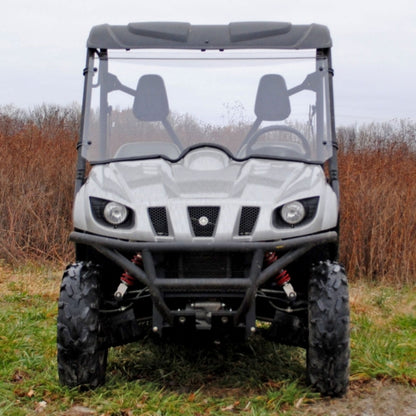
(115,213)
(111,213)
(296,213)
(293,212)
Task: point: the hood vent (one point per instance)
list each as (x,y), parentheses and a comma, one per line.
(203,220)
(248,220)
(159,220)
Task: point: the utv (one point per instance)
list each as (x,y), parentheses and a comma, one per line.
(206,196)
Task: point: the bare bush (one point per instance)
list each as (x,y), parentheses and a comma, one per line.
(36,184)
(377,171)
(378,167)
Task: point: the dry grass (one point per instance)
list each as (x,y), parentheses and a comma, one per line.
(31,281)
(36,184)
(379,302)
(377,171)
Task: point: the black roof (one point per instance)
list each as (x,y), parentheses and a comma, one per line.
(237,35)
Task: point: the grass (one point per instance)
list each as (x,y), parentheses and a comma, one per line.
(147,378)
(384,333)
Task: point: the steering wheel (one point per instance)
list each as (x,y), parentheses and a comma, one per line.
(251,140)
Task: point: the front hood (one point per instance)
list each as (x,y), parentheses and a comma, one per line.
(206,174)
(205,177)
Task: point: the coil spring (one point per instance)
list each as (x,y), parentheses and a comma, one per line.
(283,277)
(270,257)
(126,277)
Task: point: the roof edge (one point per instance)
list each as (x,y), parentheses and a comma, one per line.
(236,35)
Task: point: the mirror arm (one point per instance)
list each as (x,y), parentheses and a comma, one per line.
(172,134)
(127,90)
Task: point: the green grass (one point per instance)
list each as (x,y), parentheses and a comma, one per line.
(384,335)
(148,378)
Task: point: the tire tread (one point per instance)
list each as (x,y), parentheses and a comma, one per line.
(81,355)
(329,346)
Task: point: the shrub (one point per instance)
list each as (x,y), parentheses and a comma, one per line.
(378,167)
(378,194)
(36,183)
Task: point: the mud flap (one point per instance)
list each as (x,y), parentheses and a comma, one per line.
(289,330)
(121,328)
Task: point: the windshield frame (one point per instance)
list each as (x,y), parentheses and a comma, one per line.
(322,66)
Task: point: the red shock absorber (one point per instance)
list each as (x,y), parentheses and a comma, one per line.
(270,257)
(283,277)
(127,279)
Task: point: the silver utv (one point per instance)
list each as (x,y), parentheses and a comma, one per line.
(211,201)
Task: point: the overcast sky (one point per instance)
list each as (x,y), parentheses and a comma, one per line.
(42,45)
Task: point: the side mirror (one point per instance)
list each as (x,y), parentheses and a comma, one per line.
(272,100)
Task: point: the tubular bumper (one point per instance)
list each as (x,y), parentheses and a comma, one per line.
(293,249)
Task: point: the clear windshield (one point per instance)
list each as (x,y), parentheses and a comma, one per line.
(251,103)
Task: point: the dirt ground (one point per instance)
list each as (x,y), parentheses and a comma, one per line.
(373,398)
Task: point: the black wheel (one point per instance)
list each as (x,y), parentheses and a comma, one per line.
(328,349)
(82,355)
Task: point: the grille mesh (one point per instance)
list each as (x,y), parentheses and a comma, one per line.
(203,220)
(204,265)
(159,220)
(248,220)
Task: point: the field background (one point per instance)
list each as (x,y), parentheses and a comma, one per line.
(378,247)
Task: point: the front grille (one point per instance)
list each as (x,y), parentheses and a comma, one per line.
(204,265)
(203,220)
(248,220)
(159,220)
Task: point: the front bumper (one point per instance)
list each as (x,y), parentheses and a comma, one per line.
(291,250)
